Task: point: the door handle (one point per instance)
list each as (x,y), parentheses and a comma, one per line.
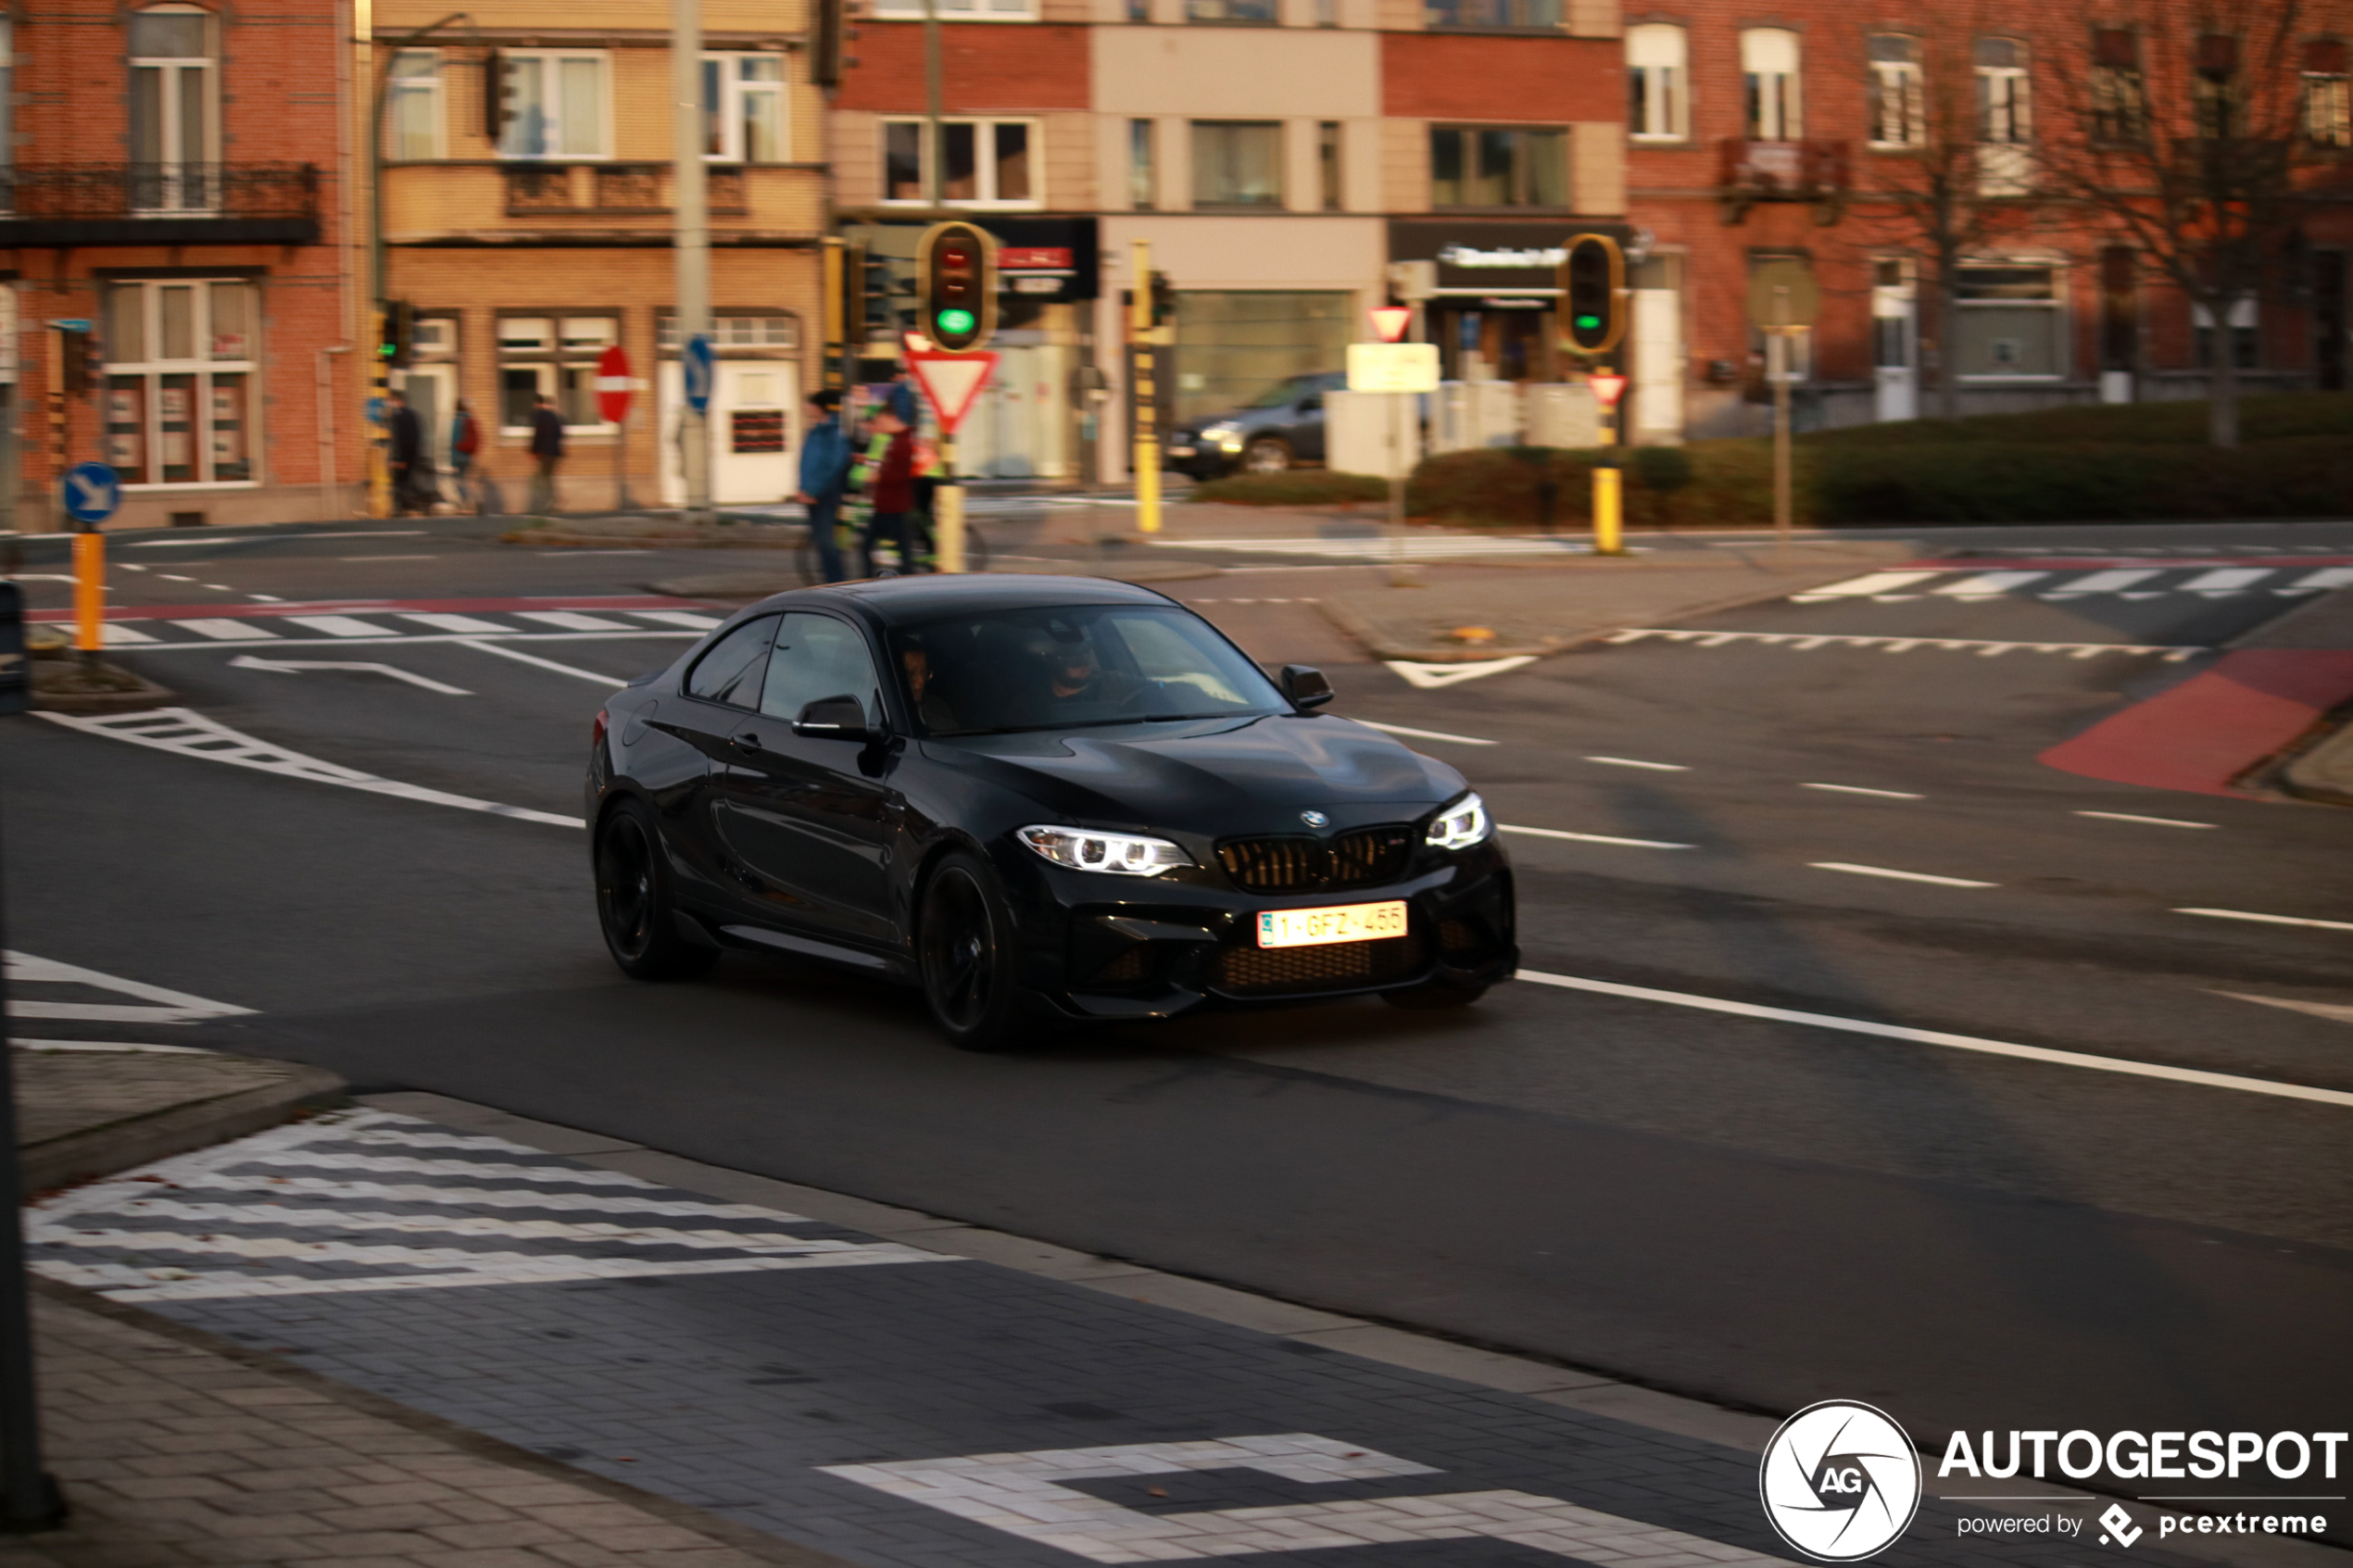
(747,741)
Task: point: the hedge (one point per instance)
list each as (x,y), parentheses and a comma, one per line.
(1295,487)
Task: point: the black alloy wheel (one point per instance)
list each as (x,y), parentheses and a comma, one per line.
(634,908)
(964,942)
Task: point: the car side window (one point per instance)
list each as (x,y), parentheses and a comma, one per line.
(817,657)
(730,668)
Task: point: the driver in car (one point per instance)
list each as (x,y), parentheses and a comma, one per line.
(923,689)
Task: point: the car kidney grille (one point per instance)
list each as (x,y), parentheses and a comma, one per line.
(1336,966)
(1302,865)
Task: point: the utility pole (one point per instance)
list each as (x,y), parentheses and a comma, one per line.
(1144,389)
(933,151)
(691,197)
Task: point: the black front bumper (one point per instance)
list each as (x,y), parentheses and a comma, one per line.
(1105,947)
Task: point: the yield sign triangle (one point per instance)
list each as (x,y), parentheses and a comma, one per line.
(1608,390)
(1429,677)
(952,382)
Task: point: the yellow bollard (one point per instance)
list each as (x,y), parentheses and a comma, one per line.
(89,591)
(1609,534)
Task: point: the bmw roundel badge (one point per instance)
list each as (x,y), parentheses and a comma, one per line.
(1314,819)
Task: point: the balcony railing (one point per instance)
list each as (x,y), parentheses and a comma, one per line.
(1782,172)
(610,190)
(159,203)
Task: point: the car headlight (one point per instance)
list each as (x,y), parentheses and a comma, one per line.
(1124,854)
(1460,825)
(1227,437)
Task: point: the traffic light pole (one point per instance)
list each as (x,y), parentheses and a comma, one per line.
(1609,532)
(691,197)
(1145,396)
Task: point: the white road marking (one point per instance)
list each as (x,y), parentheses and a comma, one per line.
(1854,870)
(115,635)
(693,620)
(191,733)
(2327,577)
(1986,584)
(1954,1042)
(2153,822)
(2336,1011)
(2228,580)
(357,558)
(228,631)
(1024,1495)
(2174,653)
(1637,763)
(1858,789)
(1876,583)
(173,577)
(2106,582)
(1430,677)
(266,599)
(572,621)
(366,534)
(197,544)
(1596,837)
(470,624)
(2270,920)
(136,1046)
(166,1006)
(1427,734)
(419,639)
(338,625)
(296,666)
(220,587)
(610,682)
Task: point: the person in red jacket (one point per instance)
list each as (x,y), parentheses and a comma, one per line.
(893,491)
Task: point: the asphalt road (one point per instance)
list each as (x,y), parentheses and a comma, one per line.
(1760,1211)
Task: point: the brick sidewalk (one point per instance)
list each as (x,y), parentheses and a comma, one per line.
(173,1449)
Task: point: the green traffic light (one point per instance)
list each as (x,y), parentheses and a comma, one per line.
(956,322)
(1589,323)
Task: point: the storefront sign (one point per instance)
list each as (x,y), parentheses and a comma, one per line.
(1474,256)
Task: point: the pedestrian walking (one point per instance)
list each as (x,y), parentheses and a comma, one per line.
(893,488)
(825,471)
(411,465)
(465,440)
(547,451)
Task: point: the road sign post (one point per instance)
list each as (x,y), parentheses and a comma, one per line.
(1609,494)
(613,389)
(1403,371)
(690,243)
(90,494)
(1144,388)
(951,383)
(1784,299)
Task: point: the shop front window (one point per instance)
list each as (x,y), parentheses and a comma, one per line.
(179,381)
(553,357)
(2012,322)
(1234,345)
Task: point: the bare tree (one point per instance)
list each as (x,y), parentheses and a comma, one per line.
(2193,136)
(1943,175)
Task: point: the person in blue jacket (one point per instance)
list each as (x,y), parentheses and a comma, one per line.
(824,470)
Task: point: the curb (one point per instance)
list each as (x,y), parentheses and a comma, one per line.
(143,693)
(103,1150)
(639,541)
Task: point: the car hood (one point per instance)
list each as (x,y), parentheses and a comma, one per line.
(1212,776)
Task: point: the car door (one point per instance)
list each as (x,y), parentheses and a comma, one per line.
(720,691)
(817,821)
(1307,431)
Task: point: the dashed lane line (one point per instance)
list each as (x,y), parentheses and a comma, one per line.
(2269,919)
(1858,789)
(2193,1075)
(2153,822)
(190,734)
(1854,870)
(1638,762)
(1594,837)
(1427,734)
(1806,641)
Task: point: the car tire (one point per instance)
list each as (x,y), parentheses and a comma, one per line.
(966,951)
(1432,995)
(1268,454)
(634,909)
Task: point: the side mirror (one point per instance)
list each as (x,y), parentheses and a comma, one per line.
(834,717)
(1311,404)
(1305,685)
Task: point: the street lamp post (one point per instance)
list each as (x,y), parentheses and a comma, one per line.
(691,198)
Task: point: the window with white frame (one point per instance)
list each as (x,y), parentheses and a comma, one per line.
(412,106)
(1769,74)
(1658,73)
(1143,178)
(1899,109)
(2245,340)
(553,357)
(175,110)
(736,331)
(981,162)
(2004,94)
(743,98)
(1238,163)
(2012,322)
(2328,97)
(183,358)
(554,103)
(962,10)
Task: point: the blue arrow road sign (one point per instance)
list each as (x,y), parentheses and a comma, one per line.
(92,493)
(72,324)
(698,370)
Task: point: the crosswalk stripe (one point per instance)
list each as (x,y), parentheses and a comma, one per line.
(2327,577)
(607,1202)
(467,624)
(225,629)
(1875,582)
(2172,653)
(1988,584)
(337,625)
(463,1225)
(118,635)
(2108,582)
(572,621)
(686,618)
(407,1165)
(2226,580)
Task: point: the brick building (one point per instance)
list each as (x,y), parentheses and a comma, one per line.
(172,174)
(1757,134)
(1277,156)
(526,165)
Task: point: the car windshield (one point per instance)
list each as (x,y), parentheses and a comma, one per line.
(1068,666)
(1284,394)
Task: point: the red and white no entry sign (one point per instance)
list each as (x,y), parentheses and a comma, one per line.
(613,385)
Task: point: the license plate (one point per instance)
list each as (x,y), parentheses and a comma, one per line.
(1340,922)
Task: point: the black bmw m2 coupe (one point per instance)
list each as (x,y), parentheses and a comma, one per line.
(1036,799)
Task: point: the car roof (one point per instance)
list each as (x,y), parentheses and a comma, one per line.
(897,601)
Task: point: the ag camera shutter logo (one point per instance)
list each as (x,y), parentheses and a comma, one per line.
(1840,1481)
